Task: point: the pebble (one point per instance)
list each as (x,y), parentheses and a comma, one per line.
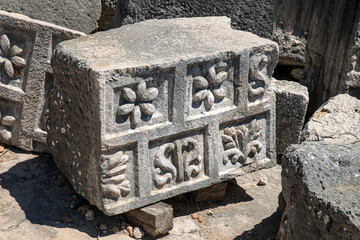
(115,229)
(200,220)
(67,219)
(210,213)
(194,216)
(89,215)
(83,209)
(2,149)
(138,233)
(262,181)
(130,231)
(103,227)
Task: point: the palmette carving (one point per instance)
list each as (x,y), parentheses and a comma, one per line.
(242,144)
(113,176)
(257,76)
(138,102)
(183,153)
(210,88)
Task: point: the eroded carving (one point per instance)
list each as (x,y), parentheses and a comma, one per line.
(182,153)
(7,122)
(208,89)
(257,76)
(242,144)
(138,102)
(10,58)
(113,176)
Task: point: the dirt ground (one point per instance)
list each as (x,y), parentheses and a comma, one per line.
(36,204)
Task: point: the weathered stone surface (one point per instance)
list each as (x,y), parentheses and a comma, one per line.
(323,36)
(26,78)
(81,15)
(156,219)
(108,8)
(321,188)
(246,15)
(125,128)
(291,105)
(215,192)
(337,121)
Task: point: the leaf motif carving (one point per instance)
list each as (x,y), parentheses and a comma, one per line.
(220,78)
(164,170)
(135,115)
(9,68)
(5,44)
(113,176)
(125,109)
(129,95)
(18,61)
(150,94)
(141,88)
(200,82)
(147,108)
(209,100)
(16,51)
(242,144)
(199,96)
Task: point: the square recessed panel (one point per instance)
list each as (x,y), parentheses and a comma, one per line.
(210,86)
(10,117)
(177,161)
(145,100)
(117,176)
(16,53)
(242,142)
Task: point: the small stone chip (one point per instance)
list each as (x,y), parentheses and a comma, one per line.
(138,233)
(82,210)
(262,181)
(90,215)
(130,231)
(194,216)
(115,229)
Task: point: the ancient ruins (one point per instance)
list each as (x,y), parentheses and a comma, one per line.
(140,102)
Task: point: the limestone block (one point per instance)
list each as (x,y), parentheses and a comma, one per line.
(291,105)
(321,187)
(246,15)
(80,15)
(158,108)
(337,121)
(156,219)
(26,78)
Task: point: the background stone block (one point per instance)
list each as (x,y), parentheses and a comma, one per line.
(291,104)
(320,184)
(159,108)
(246,15)
(81,15)
(26,78)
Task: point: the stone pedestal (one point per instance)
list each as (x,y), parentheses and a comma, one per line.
(26,78)
(159,108)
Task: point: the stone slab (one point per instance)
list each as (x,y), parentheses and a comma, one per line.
(291,104)
(80,15)
(158,108)
(215,192)
(156,219)
(26,78)
(246,15)
(337,121)
(321,187)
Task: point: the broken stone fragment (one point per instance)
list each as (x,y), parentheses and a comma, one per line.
(336,121)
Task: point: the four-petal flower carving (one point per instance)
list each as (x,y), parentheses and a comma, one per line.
(138,102)
(10,56)
(208,89)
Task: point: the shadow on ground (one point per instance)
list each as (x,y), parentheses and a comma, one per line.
(33,184)
(265,230)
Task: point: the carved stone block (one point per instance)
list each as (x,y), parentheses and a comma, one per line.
(26,47)
(159,108)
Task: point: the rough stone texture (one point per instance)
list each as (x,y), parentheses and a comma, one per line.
(165,107)
(81,15)
(246,15)
(337,121)
(26,78)
(321,35)
(321,188)
(108,8)
(156,219)
(291,104)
